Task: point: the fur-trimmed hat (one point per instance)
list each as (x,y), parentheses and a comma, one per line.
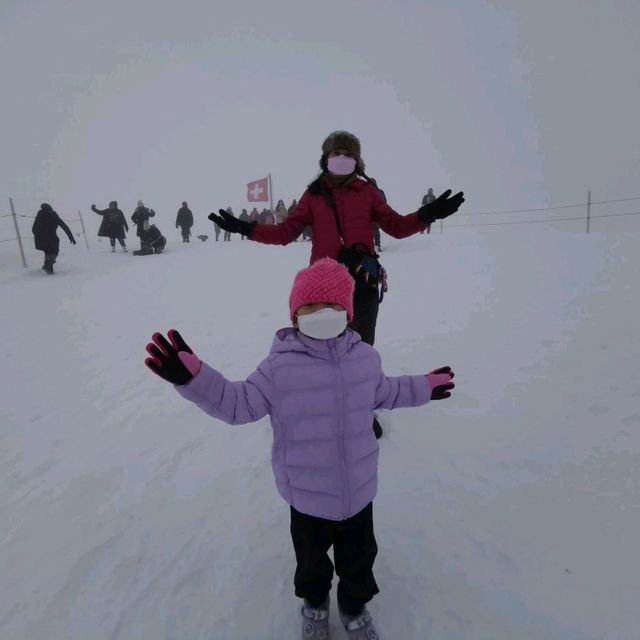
(324,281)
(342,140)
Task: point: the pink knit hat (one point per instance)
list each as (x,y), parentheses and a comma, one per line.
(324,281)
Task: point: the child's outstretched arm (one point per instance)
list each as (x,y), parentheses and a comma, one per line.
(413,391)
(233,402)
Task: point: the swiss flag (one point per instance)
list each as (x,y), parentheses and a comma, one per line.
(258,190)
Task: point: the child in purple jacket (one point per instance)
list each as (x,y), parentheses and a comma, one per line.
(320,384)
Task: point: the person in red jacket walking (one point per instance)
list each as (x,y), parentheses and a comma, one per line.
(341,206)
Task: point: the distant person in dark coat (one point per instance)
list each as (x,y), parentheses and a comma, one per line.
(45,235)
(227,234)
(156,239)
(151,241)
(140,218)
(428,199)
(266,217)
(280,212)
(113,226)
(216,229)
(184,220)
(244,216)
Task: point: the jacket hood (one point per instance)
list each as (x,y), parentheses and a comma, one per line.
(290,339)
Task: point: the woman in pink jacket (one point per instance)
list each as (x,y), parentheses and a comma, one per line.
(320,385)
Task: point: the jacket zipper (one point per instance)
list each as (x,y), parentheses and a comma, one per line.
(343,468)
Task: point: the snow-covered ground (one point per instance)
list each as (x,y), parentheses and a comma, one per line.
(510,511)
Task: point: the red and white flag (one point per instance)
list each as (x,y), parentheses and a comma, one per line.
(258,190)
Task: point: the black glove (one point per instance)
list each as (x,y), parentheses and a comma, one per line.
(231,224)
(442,207)
(164,359)
(72,240)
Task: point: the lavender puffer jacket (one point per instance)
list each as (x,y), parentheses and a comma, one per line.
(321,395)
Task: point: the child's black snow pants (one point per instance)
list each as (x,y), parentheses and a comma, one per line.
(354,551)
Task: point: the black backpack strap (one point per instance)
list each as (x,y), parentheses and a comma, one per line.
(326,194)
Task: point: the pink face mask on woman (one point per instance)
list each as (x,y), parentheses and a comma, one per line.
(341,165)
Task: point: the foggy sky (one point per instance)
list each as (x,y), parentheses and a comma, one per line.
(518,103)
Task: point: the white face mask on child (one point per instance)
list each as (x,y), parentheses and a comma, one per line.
(323,324)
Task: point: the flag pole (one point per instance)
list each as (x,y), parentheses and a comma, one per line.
(270,194)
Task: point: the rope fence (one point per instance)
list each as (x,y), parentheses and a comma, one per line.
(586,218)
(497,224)
(562,206)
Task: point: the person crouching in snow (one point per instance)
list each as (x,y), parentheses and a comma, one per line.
(320,384)
(151,240)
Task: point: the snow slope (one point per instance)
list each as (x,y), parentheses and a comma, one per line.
(510,511)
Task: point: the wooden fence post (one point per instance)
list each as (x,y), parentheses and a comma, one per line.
(84,232)
(15,223)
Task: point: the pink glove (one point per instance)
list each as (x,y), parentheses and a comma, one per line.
(440,382)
